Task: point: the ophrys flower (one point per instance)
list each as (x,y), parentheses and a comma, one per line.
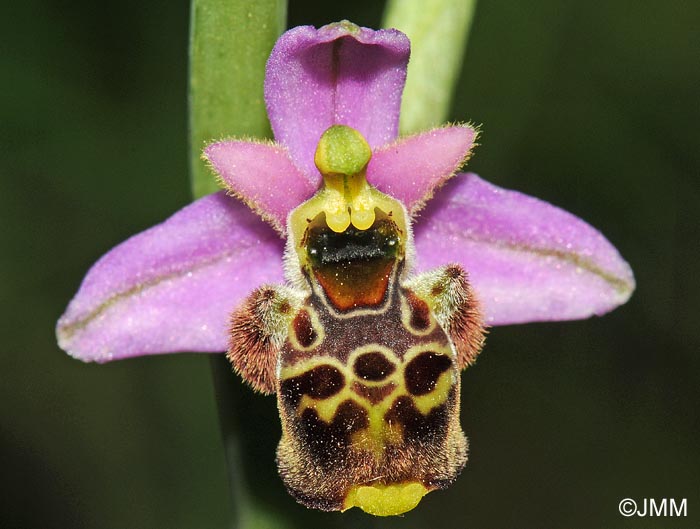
(173,287)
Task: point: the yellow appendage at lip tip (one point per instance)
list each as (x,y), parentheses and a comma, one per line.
(386,500)
(341,157)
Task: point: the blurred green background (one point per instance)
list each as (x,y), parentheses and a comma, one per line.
(594,106)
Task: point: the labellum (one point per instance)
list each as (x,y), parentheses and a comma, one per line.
(363,357)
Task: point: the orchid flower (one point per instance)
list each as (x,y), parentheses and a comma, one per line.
(173,287)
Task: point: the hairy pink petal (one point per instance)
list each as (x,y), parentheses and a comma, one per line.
(171,288)
(338,74)
(412,168)
(527,260)
(263,176)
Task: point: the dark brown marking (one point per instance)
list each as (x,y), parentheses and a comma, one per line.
(416,426)
(329,443)
(319,383)
(373,366)
(420,312)
(423,372)
(304,328)
(437,290)
(374,394)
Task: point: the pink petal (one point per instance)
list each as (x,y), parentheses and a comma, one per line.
(263,176)
(412,168)
(171,288)
(338,74)
(527,260)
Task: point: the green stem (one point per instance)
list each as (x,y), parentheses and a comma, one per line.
(229,421)
(230,41)
(438,30)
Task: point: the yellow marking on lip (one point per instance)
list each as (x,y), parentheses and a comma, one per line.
(380,433)
(406,320)
(291,371)
(443,349)
(437,397)
(327,408)
(317,327)
(388,354)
